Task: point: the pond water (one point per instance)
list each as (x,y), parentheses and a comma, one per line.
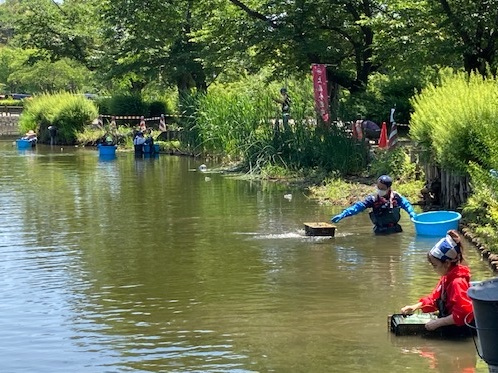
(147,265)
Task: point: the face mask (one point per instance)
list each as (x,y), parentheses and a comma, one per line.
(381,193)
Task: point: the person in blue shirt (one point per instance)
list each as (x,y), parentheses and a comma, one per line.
(385,204)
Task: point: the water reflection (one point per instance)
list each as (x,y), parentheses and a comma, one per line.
(143,265)
(440,356)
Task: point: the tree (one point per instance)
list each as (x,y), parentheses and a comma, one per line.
(58,30)
(293,35)
(47,76)
(153,42)
(474,25)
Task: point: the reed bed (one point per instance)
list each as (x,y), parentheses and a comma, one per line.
(247,126)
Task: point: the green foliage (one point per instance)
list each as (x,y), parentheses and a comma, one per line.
(481,208)
(12,102)
(238,122)
(47,76)
(104,105)
(127,105)
(455,122)
(384,91)
(57,29)
(340,192)
(90,136)
(396,163)
(156,108)
(337,191)
(270,171)
(24,70)
(68,112)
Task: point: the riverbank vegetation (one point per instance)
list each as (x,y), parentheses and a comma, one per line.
(455,126)
(69,113)
(344,191)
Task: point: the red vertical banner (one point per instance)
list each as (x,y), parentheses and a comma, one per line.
(319,72)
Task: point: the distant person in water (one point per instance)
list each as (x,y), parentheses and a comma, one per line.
(385,204)
(30,136)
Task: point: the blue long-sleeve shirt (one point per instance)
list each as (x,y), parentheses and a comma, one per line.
(379,204)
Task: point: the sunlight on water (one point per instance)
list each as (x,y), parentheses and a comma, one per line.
(140,265)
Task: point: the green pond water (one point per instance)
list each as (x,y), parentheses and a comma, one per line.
(148,265)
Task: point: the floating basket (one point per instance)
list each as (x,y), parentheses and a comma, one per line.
(319,229)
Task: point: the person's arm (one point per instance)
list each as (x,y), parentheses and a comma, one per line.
(406,310)
(407,206)
(429,301)
(354,209)
(439,322)
(426,304)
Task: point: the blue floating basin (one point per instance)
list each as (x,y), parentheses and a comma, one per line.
(436,223)
(107,150)
(156,148)
(23,144)
(147,148)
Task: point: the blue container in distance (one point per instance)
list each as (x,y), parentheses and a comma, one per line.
(156,148)
(23,144)
(146,148)
(107,150)
(436,223)
(484,296)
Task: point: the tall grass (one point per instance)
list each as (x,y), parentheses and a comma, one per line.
(456,122)
(240,125)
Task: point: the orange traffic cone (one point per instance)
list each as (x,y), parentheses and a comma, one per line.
(383,136)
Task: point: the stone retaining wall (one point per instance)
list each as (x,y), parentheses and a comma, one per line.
(9,125)
(486,254)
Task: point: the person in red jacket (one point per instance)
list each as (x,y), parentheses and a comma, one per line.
(450,295)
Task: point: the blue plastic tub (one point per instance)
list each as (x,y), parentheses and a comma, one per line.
(436,223)
(156,148)
(106,150)
(23,144)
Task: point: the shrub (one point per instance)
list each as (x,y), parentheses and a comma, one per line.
(455,122)
(481,207)
(67,111)
(104,105)
(396,163)
(156,108)
(383,93)
(11,102)
(127,105)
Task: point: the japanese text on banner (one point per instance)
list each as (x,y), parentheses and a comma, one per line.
(320,88)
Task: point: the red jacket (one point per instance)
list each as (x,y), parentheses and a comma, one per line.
(455,283)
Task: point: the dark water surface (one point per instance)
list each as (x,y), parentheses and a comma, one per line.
(145,265)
